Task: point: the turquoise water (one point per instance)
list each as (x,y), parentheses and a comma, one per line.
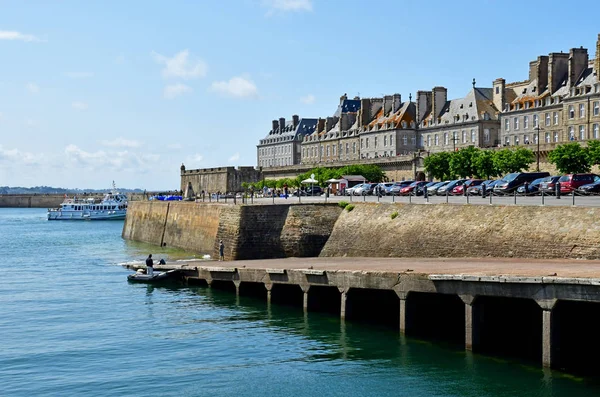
(71,325)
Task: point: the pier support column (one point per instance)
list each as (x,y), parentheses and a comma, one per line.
(547,305)
(269,287)
(344,292)
(470,332)
(305,300)
(402,295)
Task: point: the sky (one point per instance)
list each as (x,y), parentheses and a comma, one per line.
(96,91)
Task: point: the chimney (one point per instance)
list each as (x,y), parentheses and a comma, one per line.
(387,104)
(296,120)
(423,104)
(320,125)
(281,124)
(329,122)
(597,60)
(275,125)
(499,94)
(364,114)
(538,69)
(439,98)
(343,98)
(397,102)
(558,67)
(578,62)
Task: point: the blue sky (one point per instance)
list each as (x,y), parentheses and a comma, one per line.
(92,92)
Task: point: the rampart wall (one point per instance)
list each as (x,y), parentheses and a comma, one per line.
(466,231)
(248,232)
(296,230)
(31,201)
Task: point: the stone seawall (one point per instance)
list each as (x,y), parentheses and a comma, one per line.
(31,201)
(466,231)
(248,232)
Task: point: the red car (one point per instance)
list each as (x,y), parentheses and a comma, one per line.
(410,189)
(460,189)
(570,182)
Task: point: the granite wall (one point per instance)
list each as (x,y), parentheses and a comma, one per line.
(466,231)
(248,231)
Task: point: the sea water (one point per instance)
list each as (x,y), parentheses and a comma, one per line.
(71,325)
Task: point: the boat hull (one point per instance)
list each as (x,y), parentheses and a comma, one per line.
(157,278)
(84,216)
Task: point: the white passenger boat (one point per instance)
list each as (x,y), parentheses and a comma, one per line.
(112,206)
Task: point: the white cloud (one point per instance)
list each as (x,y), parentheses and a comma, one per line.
(234,158)
(117,161)
(309,99)
(237,87)
(12,35)
(15,156)
(174,90)
(122,142)
(275,6)
(32,87)
(79,105)
(193,160)
(175,146)
(180,66)
(79,75)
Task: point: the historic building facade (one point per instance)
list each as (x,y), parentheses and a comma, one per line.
(560,101)
(335,138)
(387,127)
(281,146)
(447,125)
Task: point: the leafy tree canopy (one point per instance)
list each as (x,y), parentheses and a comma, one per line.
(571,158)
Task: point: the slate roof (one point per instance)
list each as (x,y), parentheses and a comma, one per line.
(404,113)
(304,127)
(470,108)
(348,106)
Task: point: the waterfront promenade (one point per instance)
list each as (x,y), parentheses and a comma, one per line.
(565,200)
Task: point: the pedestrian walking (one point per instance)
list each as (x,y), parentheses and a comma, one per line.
(221,250)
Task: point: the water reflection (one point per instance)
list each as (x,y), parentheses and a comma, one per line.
(290,335)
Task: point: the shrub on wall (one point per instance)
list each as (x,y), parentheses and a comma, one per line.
(349,207)
(343,204)
(394,214)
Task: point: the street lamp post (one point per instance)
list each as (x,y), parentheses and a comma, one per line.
(537,127)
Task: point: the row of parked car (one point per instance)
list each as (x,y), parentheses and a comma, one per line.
(524,183)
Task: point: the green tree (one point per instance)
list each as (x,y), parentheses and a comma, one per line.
(484,165)
(593,150)
(507,160)
(462,162)
(437,165)
(570,158)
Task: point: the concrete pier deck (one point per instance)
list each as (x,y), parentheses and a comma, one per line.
(562,268)
(540,309)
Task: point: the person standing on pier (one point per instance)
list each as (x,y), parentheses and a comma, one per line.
(221,250)
(150,265)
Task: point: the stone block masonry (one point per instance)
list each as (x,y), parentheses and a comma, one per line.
(466,231)
(248,232)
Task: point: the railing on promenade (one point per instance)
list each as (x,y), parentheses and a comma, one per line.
(536,198)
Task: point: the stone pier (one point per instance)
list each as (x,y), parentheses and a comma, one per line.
(505,305)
